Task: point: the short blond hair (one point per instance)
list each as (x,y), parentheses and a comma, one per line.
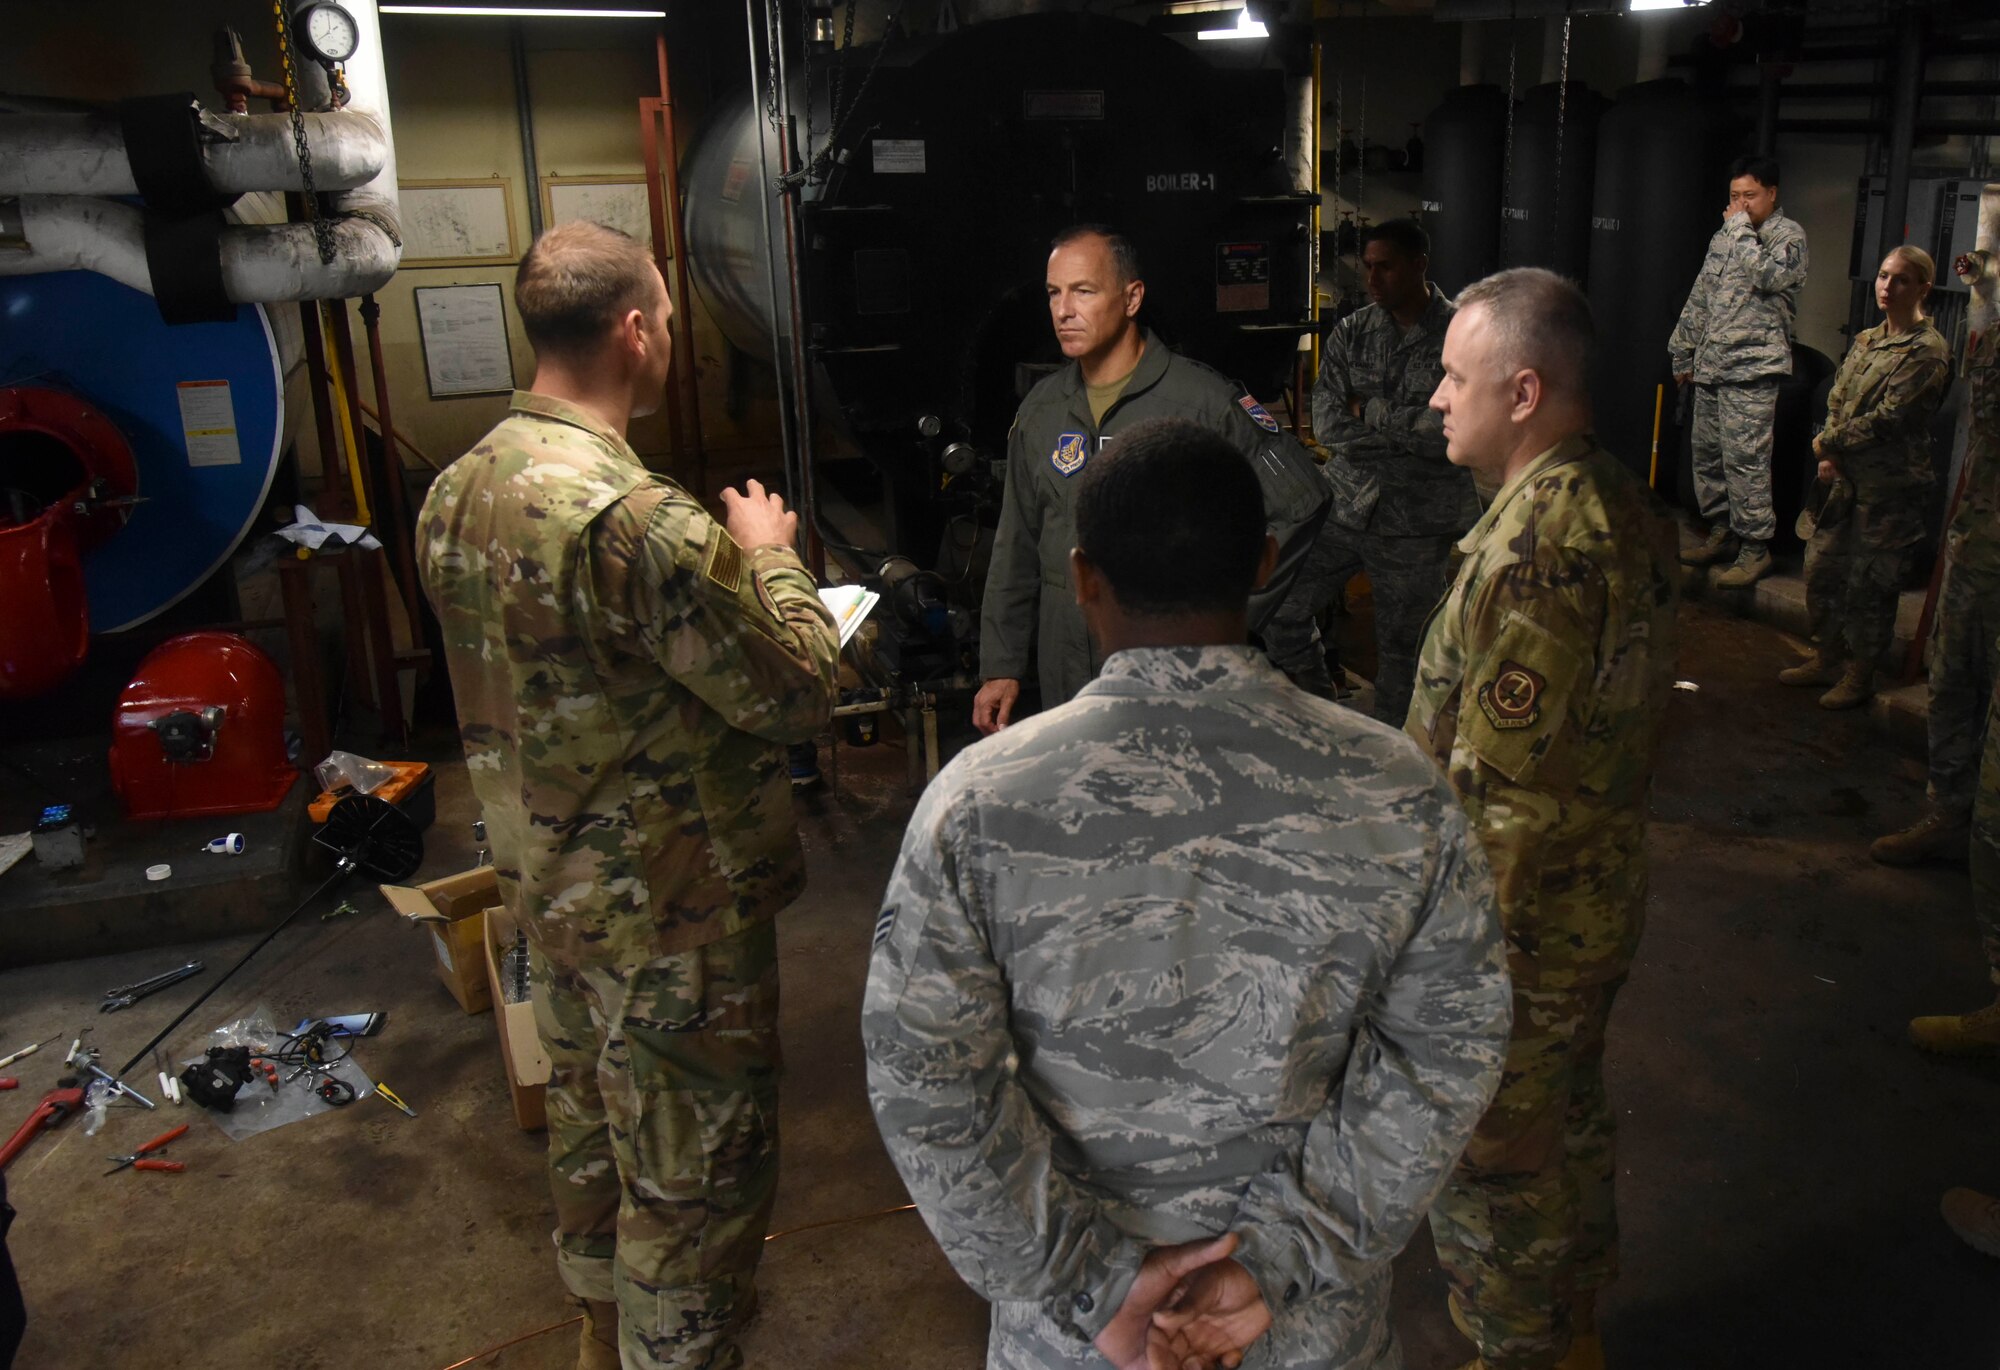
(1925,264)
(1540,322)
(577,281)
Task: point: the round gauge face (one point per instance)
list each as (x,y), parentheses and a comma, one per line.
(330,32)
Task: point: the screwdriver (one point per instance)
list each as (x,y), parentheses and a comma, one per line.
(390,1095)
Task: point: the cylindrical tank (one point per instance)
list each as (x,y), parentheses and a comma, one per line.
(924,253)
(1661,160)
(1464,145)
(1546,220)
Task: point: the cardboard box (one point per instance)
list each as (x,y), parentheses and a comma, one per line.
(521,1054)
(452,911)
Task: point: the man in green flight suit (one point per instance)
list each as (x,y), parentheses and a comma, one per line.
(1541,688)
(627,672)
(1119,374)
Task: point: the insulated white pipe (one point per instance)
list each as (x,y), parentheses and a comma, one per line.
(84,154)
(261,264)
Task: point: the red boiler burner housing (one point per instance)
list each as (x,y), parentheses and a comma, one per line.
(200,731)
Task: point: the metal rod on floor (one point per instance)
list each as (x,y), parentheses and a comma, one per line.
(203,997)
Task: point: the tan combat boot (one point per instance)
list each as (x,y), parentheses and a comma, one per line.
(1937,836)
(1975,1217)
(1817,669)
(1959,1034)
(597,1347)
(1720,545)
(1852,690)
(1752,564)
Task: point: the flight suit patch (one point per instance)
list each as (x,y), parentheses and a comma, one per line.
(724,562)
(1258,414)
(1512,699)
(1072,450)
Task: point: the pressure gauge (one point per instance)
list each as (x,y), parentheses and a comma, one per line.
(327,32)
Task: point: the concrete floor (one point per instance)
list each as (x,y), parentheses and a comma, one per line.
(1782,1155)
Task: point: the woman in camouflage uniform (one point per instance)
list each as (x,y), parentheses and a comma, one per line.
(1875,453)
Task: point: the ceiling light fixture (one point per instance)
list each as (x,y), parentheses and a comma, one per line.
(521,12)
(1641,6)
(1246,27)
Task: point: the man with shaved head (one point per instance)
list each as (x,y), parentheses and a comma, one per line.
(1540,690)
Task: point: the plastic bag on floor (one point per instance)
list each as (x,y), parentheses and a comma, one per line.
(261,1105)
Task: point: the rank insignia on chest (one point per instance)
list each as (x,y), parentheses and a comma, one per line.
(1512,699)
(1258,414)
(1072,450)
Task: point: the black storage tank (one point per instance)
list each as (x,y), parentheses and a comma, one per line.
(1662,155)
(1464,146)
(1546,221)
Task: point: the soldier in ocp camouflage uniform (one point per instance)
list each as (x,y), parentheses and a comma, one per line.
(627,671)
(1875,451)
(1398,505)
(1733,342)
(1194,952)
(1965,644)
(1541,690)
(1974,549)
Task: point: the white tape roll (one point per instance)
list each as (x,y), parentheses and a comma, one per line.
(158,872)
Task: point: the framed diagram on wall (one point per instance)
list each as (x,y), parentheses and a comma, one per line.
(615,201)
(458,223)
(464,334)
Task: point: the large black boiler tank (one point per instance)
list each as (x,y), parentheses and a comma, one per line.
(924,254)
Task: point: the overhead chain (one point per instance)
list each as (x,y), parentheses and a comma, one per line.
(1557,218)
(824,161)
(1361,162)
(322,227)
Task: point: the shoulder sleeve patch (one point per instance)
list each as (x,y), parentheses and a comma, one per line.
(723,562)
(1524,690)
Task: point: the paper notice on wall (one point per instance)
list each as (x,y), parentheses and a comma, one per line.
(208,422)
(899,156)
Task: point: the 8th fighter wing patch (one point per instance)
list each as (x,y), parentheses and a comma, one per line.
(724,562)
(1258,414)
(1072,450)
(1512,699)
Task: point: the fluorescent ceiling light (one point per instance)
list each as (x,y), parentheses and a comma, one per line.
(522,12)
(1640,6)
(1246,27)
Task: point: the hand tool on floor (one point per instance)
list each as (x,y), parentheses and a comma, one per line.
(66,1098)
(141,1159)
(390,1095)
(127,995)
(26,1051)
(85,1058)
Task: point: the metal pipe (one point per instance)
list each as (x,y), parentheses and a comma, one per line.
(261,263)
(84,154)
(517,46)
(1769,90)
(390,503)
(762,121)
(1923,127)
(788,206)
(1902,131)
(1871,90)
